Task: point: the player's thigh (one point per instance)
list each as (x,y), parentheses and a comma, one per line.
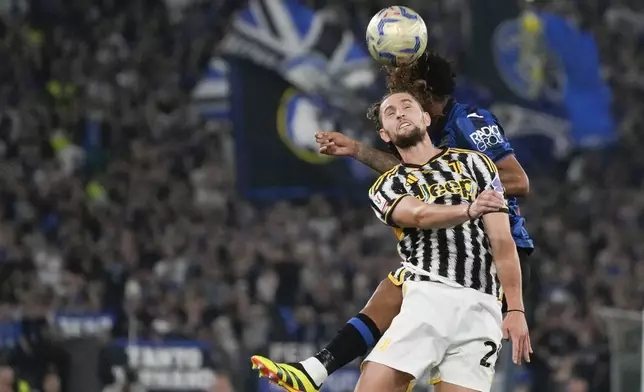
(377,377)
(418,336)
(471,359)
(384,304)
(469,367)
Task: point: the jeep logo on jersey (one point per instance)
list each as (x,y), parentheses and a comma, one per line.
(486,137)
(464,187)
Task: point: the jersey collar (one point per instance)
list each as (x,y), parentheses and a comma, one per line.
(432,159)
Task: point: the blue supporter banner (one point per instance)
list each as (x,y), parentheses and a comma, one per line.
(586,96)
(288,72)
(68,325)
(304,47)
(73,325)
(277,156)
(178,366)
(543,75)
(10,332)
(212,94)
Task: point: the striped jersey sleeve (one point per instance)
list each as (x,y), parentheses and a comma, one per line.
(385,194)
(487,175)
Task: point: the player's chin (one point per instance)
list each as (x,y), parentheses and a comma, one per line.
(407,131)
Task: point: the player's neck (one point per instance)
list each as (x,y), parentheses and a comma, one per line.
(419,154)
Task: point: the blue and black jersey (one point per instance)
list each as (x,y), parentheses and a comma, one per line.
(469,127)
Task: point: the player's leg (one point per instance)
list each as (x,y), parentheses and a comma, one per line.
(447,387)
(353,340)
(377,377)
(362,332)
(415,342)
(471,358)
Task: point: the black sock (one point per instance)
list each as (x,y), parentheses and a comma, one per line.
(355,338)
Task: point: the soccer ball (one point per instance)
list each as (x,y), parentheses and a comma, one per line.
(396,36)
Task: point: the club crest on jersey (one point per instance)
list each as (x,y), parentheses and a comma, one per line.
(464,187)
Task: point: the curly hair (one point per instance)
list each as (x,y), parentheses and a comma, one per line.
(430,78)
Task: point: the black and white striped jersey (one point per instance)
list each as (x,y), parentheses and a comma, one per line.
(460,255)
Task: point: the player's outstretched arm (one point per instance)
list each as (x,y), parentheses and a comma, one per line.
(412,212)
(337,144)
(395,207)
(506,260)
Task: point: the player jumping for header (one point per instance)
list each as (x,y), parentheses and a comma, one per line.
(455,125)
(450,320)
(453,278)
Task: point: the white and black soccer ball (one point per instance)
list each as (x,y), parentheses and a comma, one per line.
(396,36)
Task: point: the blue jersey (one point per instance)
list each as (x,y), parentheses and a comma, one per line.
(465,126)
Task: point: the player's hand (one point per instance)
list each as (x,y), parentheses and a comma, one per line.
(337,144)
(515,328)
(488,201)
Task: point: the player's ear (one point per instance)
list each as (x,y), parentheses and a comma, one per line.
(383,135)
(427,119)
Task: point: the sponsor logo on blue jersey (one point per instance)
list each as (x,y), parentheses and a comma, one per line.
(479,130)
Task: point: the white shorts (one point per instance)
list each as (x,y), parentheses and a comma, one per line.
(453,333)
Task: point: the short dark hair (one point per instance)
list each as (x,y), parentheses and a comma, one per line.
(430,78)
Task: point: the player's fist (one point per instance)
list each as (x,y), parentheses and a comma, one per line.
(488,201)
(515,328)
(337,144)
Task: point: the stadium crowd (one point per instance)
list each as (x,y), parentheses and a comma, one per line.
(115,195)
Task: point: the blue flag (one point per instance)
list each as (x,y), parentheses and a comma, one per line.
(540,75)
(294,71)
(212,94)
(586,96)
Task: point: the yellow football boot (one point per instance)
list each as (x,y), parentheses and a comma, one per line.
(285,375)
